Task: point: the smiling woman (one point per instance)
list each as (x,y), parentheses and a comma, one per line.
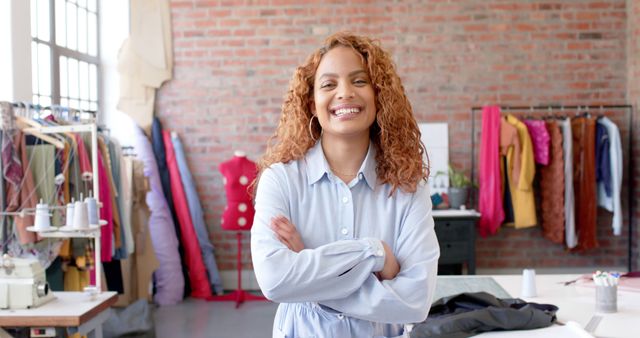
(343,235)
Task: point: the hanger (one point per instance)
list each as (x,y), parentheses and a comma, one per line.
(32,127)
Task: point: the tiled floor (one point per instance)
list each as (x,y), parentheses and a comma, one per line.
(199,318)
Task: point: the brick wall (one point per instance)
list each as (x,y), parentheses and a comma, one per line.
(633,90)
(234,59)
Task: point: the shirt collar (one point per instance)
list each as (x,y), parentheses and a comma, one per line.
(317,165)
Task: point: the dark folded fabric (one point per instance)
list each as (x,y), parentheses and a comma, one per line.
(468,314)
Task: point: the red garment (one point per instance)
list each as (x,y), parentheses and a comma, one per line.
(489,194)
(238,174)
(200,287)
(583,131)
(83,159)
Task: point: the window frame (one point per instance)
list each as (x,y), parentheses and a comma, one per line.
(59,51)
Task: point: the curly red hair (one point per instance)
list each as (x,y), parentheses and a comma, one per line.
(395,132)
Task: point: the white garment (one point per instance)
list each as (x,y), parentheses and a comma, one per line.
(613,203)
(126,200)
(569,202)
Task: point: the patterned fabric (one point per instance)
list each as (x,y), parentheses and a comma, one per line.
(11,166)
(540,138)
(552,188)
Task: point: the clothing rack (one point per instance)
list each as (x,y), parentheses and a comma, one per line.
(553,111)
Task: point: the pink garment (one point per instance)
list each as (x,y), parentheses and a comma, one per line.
(106,212)
(490,191)
(540,138)
(238,174)
(200,286)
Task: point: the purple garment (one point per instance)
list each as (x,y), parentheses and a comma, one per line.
(11,166)
(540,138)
(168,277)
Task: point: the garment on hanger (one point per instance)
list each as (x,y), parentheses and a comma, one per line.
(524,207)
(570,236)
(540,139)
(613,202)
(552,208)
(584,181)
(489,193)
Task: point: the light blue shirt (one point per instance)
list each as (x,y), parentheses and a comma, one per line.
(329,289)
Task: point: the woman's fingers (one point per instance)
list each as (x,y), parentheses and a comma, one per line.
(287,233)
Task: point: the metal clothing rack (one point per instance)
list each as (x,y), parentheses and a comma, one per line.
(553,111)
(95,234)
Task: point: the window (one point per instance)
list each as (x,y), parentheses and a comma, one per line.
(64,53)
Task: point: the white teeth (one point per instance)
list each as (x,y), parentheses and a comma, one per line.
(344,111)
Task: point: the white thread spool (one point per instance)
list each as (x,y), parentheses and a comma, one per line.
(92,210)
(43,221)
(69,215)
(81,217)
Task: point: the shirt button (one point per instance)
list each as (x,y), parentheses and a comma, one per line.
(341,316)
(345,200)
(379,253)
(345,231)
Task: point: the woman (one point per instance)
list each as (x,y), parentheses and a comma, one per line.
(343,234)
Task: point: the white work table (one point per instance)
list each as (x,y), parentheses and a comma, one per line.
(68,309)
(576,302)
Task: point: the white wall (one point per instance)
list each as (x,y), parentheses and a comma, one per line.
(15,66)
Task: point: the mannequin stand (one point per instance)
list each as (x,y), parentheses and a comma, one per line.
(239,295)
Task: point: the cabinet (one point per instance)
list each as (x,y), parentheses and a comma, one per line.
(456,232)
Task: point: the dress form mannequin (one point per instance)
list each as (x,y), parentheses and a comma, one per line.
(238,173)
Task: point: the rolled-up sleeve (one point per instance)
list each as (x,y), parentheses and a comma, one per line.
(406,298)
(331,271)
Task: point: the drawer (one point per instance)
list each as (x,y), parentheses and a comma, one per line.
(454,252)
(455,230)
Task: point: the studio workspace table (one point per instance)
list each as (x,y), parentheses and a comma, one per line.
(68,309)
(576,302)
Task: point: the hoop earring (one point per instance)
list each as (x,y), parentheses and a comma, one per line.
(311,128)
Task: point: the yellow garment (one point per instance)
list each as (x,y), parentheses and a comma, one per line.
(75,280)
(524,206)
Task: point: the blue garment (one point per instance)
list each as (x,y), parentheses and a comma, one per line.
(197,217)
(329,289)
(603,161)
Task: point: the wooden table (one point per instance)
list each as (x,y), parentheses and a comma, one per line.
(75,310)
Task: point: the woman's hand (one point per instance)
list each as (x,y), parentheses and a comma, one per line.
(287,233)
(391,266)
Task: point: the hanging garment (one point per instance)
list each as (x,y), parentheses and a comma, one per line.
(603,161)
(540,139)
(489,193)
(168,278)
(24,195)
(126,201)
(106,212)
(570,237)
(615,154)
(583,130)
(197,217)
(524,206)
(200,286)
(552,210)
(509,148)
(11,166)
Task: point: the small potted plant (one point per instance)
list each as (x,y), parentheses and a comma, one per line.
(459,185)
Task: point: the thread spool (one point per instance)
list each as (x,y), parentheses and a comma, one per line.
(81,218)
(69,215)
(92,210)
(42,221)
